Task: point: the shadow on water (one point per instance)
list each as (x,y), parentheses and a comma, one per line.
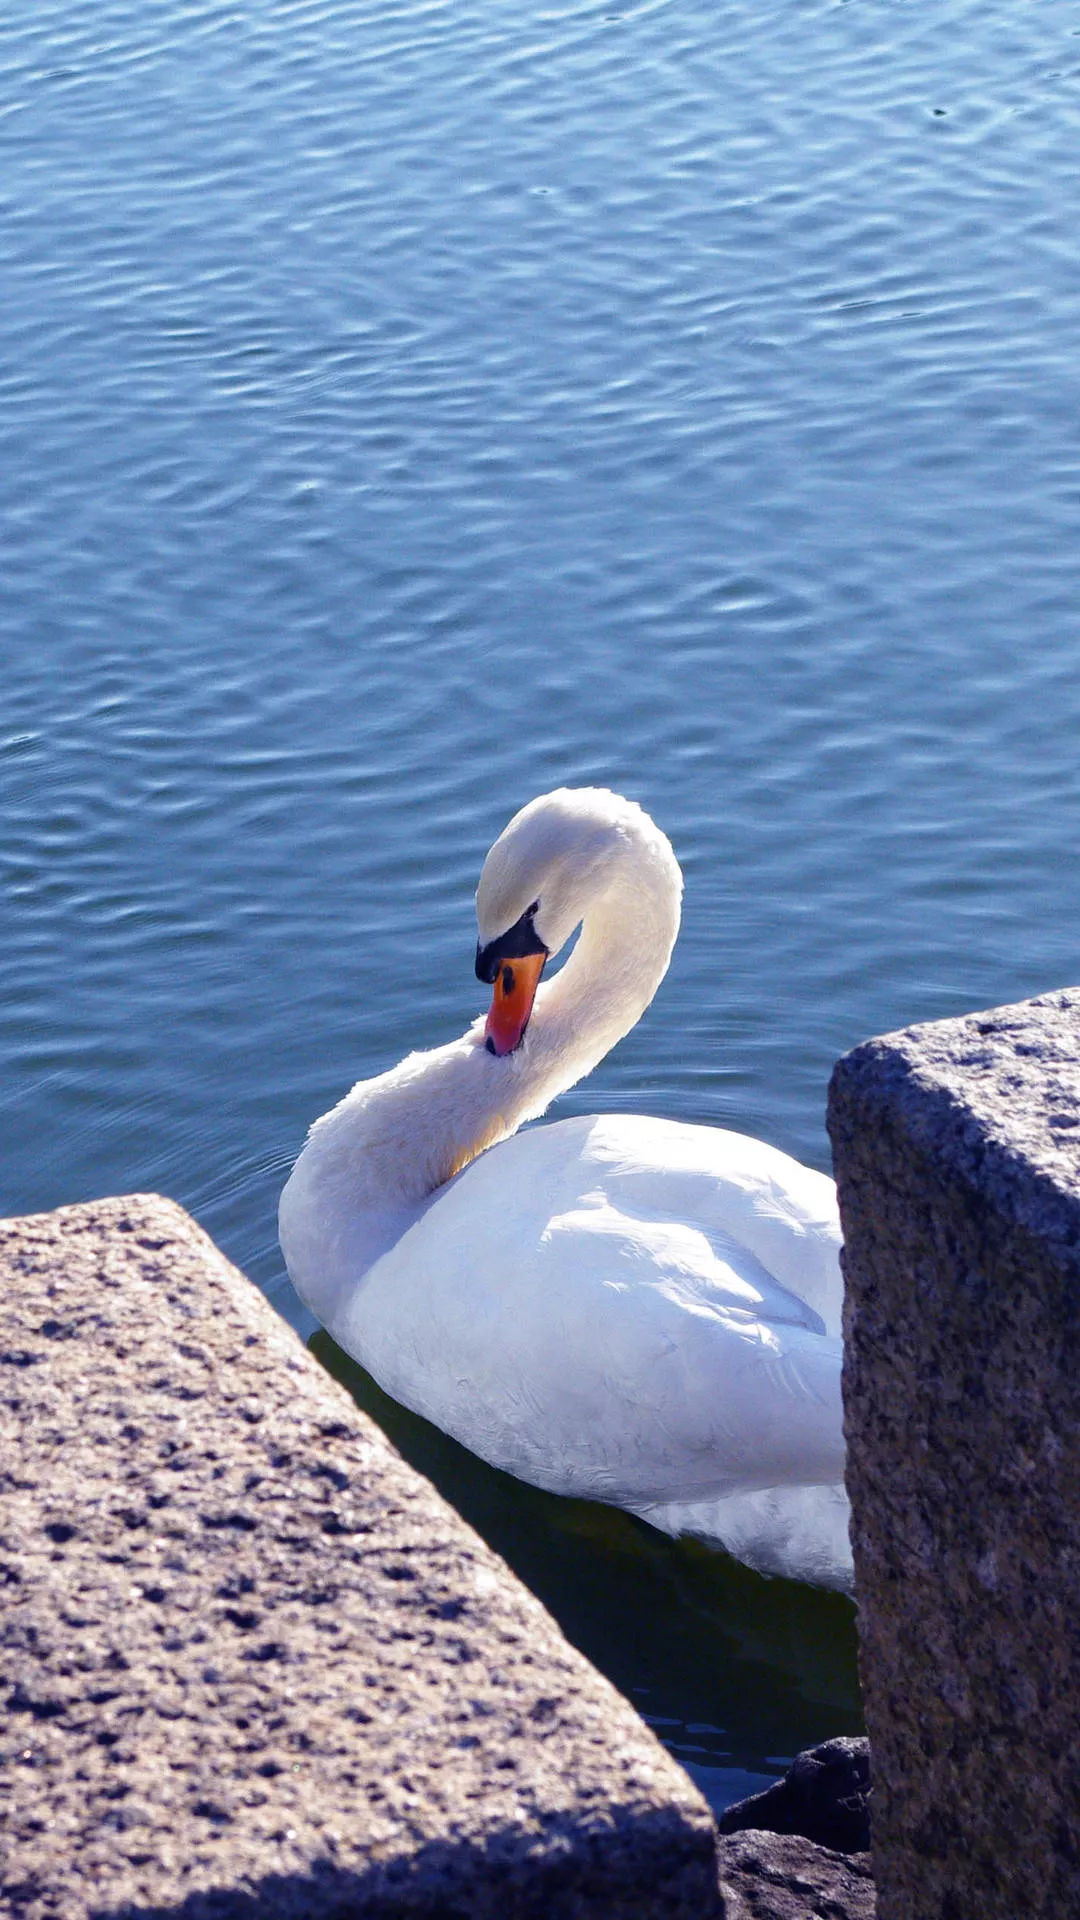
(734,1672)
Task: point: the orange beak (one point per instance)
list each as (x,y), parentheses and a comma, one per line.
(515,990)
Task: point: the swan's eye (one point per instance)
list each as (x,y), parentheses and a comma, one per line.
(535,908)
(508,979)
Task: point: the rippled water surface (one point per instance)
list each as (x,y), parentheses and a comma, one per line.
(407,408)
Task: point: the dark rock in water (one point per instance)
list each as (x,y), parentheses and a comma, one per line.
(825,1796)
(780,1876)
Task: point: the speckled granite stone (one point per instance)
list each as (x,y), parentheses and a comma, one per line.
(251,1663)
(780,1876)
(957,1151)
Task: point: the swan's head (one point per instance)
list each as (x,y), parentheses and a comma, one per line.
(554,861)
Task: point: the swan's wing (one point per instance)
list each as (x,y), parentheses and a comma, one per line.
(742,1192)
(552,1320)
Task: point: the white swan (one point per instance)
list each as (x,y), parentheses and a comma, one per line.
(633,1310)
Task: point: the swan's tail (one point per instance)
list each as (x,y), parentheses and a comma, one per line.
(798,1532)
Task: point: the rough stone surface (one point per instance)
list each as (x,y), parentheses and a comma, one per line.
(774,1876)
(252,1664)
(824,1795)
(957,1151)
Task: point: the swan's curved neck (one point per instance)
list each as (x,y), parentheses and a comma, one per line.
(374,1160)
(621,956)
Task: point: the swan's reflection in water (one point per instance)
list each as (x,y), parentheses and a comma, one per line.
(734,1672)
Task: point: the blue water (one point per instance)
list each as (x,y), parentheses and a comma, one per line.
(407,408)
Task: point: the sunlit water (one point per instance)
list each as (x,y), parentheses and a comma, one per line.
(407,408)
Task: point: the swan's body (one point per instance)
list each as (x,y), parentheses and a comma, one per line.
(629,1309)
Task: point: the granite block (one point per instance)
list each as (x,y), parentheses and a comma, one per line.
(780,1876)
(251,1663)
(957,1154)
